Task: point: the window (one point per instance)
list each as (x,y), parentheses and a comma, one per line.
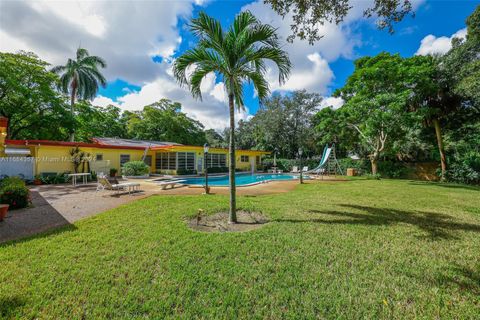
(166,161)
(215,160)
(186,160)
(148,160)
(124,158)
(244,159)
(257,160)
(99,157)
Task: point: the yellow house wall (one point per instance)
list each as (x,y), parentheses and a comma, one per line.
(57,158)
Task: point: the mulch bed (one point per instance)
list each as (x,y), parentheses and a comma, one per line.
(219,222)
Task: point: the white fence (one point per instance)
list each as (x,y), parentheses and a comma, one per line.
(17,166)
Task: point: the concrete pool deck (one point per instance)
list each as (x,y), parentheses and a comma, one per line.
(59,205)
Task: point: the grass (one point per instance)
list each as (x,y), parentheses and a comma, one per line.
(386,249)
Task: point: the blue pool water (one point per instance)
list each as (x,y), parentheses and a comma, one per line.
(241,180)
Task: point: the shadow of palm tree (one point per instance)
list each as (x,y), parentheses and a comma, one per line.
(8,305)
(444,185)
(437,225)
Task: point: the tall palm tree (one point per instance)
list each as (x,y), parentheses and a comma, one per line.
(81,78)
(237,55)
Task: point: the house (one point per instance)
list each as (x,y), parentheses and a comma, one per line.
(37,157)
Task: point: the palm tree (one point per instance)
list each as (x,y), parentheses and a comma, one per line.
(80,78)
(238,55)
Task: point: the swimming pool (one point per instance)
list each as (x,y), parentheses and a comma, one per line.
(240,179)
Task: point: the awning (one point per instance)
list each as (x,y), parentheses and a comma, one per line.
(17,151)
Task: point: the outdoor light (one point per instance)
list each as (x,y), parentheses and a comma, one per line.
(205,151)
(300,152)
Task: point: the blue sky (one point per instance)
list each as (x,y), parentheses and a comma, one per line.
(440,18)
(140,40)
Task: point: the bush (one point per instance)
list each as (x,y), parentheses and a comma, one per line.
(54,179)
(113,172)
(135,168)
(392,169)
(465,168)
(370,176)
(182,172)
(14,192)
(362,166)
(217,170)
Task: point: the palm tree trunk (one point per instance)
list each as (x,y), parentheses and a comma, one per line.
(72,104)
(441,150)
(232,217)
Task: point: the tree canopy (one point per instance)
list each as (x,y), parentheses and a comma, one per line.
(308,15)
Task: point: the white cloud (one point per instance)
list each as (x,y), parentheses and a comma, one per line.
(125,33)
(103,101)
(310,62)
(333,102)
(438,45)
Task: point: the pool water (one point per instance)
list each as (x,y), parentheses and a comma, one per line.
(241,179)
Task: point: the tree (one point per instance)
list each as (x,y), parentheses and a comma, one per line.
(215,139)
(462,62)
(93,121)
(237,55)
(376,97)
(29,100)
(81,78)
(164,121)
(309,14)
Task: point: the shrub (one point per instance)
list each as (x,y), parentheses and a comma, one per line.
(465,168)
(14,192)
(376,176)
(54,179)
(113,172)
(217,170)
(392,169)
(135,168)
(362,166)
(182,172)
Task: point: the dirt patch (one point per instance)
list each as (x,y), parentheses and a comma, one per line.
(219,222)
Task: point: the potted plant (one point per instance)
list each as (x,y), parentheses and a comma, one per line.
(37,180)
(113,172)
(3,211)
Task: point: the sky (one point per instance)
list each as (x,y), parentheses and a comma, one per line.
(141,39)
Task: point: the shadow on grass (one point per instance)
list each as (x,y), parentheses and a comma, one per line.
(436,225)
(445,185)
(9,305)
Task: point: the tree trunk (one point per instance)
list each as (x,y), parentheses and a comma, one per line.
(374,163)
(232,218)
(72,104)
(441,150)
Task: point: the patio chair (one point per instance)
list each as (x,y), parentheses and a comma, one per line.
(295,169)
(103,184)
(305,169)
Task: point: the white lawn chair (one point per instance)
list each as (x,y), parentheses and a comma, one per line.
(103,184)
(295,169)
(305,169)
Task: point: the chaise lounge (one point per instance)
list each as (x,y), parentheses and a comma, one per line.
(103,184)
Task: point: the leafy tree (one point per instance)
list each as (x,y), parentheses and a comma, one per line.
(81,78)
(309,14)
(28,98)
(164,121)
(237,55)
(462,62)
(94,121)
(284,124)
(376,98)
(215,139)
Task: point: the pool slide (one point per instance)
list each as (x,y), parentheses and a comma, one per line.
(323,161)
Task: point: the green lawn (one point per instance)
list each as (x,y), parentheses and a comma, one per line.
(357,249)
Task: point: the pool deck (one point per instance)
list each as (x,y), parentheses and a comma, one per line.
(59,205)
